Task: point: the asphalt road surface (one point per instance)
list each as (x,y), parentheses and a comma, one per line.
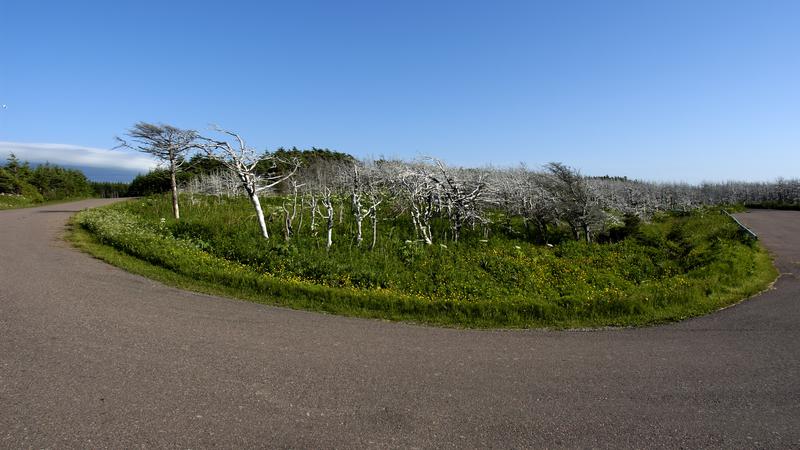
(93,357)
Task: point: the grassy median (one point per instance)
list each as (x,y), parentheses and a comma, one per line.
(673,268)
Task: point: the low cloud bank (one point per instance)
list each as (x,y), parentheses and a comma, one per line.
(77,156)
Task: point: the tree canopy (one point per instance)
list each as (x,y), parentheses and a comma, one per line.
(43,182)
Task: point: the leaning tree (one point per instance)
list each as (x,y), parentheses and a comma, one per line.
(170,145)
(242,161)
(577,204)
(461,192)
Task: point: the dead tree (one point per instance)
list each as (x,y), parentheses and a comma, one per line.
(373,188)
(289,216)
(242,160)
(220,183)
(326,198)
(359,214)
(375,201)
(459,198)
(420,192)
(365,187)
(577,204)
(313,206)
(170,145)
(325,182)
(519,192)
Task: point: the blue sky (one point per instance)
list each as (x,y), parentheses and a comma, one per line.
(658,90)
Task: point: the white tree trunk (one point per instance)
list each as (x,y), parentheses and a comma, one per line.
(426,234)
(175,209)
(259,214)
(327,203)
(374,218)
(359,236)
(422,226)
(313,220)
(329,207)
(287,224)
(300,222)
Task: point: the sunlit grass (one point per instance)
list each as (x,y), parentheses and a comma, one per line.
(19,201)
(676,267)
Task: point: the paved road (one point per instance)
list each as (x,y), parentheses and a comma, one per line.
(91,357)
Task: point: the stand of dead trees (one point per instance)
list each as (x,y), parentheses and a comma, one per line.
(439,201)
(427,191)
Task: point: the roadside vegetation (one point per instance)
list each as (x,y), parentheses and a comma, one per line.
(423,241)
(22,185)
(676,266)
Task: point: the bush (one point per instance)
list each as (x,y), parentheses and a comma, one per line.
(10,184)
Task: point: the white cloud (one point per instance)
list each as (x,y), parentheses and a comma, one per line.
(75,155)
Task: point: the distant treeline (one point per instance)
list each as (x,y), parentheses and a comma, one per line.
(50,182)
(107,189)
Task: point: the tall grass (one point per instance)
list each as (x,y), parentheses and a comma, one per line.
(672,268)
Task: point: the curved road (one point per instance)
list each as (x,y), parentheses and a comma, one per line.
(92,357)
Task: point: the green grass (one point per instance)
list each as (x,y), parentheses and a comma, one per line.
(19,201)
(674,268)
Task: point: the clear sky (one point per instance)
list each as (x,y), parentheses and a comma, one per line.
(659,90)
